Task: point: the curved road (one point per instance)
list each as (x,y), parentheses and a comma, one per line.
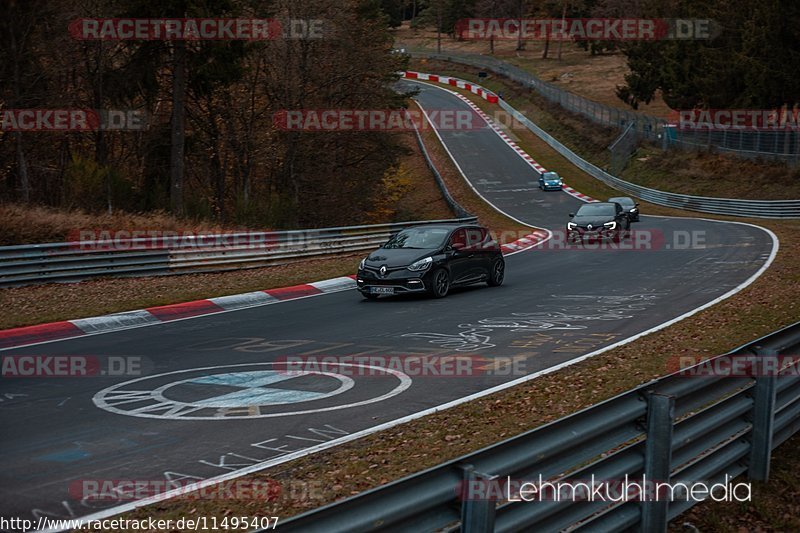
(214,399)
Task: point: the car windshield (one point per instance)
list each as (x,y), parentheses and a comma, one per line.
(597,210)
(418,238)
(623,201)
(551,176)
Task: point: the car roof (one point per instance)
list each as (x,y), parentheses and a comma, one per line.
(447,226)
(600,203)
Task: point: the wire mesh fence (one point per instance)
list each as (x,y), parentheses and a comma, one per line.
(776,145)
(622,149)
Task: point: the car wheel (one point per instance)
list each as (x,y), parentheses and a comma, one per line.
(440,283)
(369,296)
(497,273)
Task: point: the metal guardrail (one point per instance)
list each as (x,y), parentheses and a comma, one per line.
(720,206)
(457,209)
(605,115)
(779,145)
(73,261)
(677,428)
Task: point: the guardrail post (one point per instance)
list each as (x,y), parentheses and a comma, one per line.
(478,505)
(763,419)
(657,460)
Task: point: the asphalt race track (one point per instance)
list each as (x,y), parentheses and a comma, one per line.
(214,399)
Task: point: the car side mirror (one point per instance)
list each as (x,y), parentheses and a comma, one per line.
(572,215)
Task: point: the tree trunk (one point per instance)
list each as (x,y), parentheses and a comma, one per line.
(22,169)
(563,18)
(178,133)
(439,30)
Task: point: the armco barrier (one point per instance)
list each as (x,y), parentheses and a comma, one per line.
(720,206)
(457,209)
(486,94)
(705,204)
(777,145)
(674,429)
(73,261)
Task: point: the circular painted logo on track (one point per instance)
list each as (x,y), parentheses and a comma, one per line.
(249,390)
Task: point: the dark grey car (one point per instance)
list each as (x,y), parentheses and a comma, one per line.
(629,205)
(431,259)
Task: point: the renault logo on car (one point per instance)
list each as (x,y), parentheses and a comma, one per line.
(383,271)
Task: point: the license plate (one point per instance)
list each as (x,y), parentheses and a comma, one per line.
(381,290)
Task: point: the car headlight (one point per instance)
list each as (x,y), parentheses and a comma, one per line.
(571,225)
(610,225)
(634,210)
(422,264)
(362,263)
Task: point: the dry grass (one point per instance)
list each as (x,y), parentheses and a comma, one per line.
(407,196)
(775,505)
(411,195)
(36,304)
(463,193)
(698,173)
(771,302)
(23,224)
(593,77)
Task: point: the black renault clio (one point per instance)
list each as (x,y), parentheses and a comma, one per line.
(432,259)
(598,220)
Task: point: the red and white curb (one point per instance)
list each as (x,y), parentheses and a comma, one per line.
(484,93)
(67,329)
(579,195)
(528,241)
(165,313)
(461,84)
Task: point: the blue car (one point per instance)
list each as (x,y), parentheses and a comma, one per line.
(550,181)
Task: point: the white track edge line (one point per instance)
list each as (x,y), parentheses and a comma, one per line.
(388,425)
(454,403)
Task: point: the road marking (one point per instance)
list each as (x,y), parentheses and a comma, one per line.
(420,414)
(252,393)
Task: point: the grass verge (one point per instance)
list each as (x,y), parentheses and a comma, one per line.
(698,173)
(770,302)
(377,459)
(775,505)
(411,195)
(595,77)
